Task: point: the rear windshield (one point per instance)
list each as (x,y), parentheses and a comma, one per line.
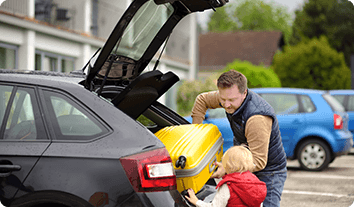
(143,28)
(335,105)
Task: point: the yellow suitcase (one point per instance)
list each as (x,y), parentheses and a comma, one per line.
(193,149)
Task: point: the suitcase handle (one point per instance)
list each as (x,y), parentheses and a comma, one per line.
(211,165)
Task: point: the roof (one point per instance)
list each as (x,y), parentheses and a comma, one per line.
(342,92)
(216,50)
(288,90)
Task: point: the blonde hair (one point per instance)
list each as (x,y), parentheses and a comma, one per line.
(237,159)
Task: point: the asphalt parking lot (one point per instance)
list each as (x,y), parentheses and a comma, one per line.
(332,187)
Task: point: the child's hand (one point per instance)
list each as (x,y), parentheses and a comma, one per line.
(192,198)
(219,172)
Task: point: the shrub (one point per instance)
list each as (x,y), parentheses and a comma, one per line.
(312,64)
(189,90)
(257,76)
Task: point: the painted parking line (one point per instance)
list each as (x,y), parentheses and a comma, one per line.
(315,193)
(338,177)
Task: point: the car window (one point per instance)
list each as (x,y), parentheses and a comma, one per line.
(351,103)
(216,113)
(20,112)
(143,28)
(70,120)
(282,103)
(5,93)
(145,121)
(307,104)
(340,98)
(333,103)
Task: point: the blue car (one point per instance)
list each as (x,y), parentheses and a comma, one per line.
(313,125)
(346,98)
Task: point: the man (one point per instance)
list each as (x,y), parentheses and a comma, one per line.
(254,125)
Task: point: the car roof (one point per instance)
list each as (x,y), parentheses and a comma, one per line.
(289,90)
(41,78)
(341,91)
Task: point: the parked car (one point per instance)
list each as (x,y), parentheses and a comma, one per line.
(346,98)
(313,125)
(74,139)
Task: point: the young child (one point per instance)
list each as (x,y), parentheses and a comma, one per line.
(239,187)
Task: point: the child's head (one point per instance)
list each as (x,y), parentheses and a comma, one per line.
(237,159)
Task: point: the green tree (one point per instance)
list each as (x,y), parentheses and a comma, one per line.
(257,76)
(332,18)
(251,15)
(312,64)
(220,21)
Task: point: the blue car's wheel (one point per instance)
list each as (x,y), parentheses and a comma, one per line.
(314,155)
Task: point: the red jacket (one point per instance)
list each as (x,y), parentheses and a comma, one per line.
(245,189)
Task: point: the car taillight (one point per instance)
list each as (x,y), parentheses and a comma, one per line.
(338,121)
(150,171)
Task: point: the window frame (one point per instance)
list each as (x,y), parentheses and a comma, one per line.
(347,101)
(58,57)
(302,107)
(37,111)
(49,112)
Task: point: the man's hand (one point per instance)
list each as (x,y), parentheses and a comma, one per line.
(192,198)
(219,172)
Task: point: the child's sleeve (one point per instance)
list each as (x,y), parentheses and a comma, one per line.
(220,200)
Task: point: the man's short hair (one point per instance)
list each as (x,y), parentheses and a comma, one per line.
(232,77)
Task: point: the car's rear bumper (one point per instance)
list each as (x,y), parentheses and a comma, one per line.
(344,143)
(168,198)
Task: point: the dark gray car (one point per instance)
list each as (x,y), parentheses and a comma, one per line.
(74,139)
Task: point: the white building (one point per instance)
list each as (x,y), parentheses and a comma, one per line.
(62,35)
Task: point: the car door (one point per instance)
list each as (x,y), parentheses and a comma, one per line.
(291,121)
(23,138)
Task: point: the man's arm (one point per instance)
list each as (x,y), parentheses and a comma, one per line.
(257,132)
(204,101)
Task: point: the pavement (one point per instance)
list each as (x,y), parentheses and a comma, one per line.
(217,180)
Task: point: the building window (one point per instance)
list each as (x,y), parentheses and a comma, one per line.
(8,56)
(52,62)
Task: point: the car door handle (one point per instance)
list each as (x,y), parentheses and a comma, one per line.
(9,168)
